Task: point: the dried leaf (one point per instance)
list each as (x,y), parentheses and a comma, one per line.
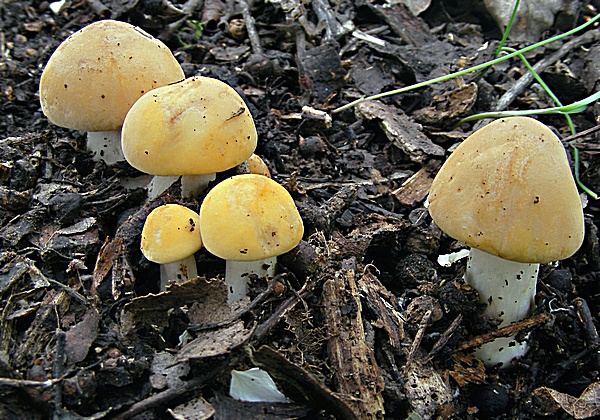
(586,406)
(78,227)
(426,391)
(196,409)
(449,106)
(214,343)
(106,258)
(165,373)
(81,336)
(207,298)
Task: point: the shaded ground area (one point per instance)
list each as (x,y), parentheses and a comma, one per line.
(362,319)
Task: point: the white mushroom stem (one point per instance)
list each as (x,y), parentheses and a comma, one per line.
(178,272)
(237,272)
(508,290)
(191,185)
(159,185)
(106,146)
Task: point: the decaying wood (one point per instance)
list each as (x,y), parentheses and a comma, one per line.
(507,331)
(402,131)
(441,342)
(299,384)
(585,315)
(415,189)
(357,374)
(428,393)
(384,305)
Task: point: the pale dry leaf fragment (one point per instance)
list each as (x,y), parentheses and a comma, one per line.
(165,373)
(416,7)
(426,391)
(254,385)
(196,409)
(214,342)
(79,227)
(152,309)
(586,406)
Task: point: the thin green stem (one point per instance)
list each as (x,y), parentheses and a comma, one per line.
(576,162)
(543,84)
(508,28)
(468,70)
(576,173)
(504,37)
(573,108)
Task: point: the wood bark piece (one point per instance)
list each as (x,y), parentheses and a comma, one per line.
(401,130)
(413,30)
(356,371)
(415,189)
(384,306)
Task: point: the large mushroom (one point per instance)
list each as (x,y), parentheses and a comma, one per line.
(248,220)
(193,129)
(508,193)
(95,76)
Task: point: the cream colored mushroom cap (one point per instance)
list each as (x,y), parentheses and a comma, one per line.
(248,218)
(170,234)
(198,126)
(508,190)
(96,74)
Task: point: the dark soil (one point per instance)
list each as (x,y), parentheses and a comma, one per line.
(361,319)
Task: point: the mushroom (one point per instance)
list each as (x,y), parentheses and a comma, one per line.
(249,220)
(95,76)
(258,166)
(193,128)
(508,193)
(170,237)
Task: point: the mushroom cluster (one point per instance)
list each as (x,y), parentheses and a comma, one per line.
(507,192)
(94,77)
(127,90)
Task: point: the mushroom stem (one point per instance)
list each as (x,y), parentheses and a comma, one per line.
(508,290)
(178,271)
(237,272)
(191,185)
(106,146)
(159,185)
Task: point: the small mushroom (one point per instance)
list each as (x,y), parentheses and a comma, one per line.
(258,166)
(249,220)
(170,237)
(193,128)
(95,76)
(508,193)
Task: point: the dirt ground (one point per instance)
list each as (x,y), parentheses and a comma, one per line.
(361,322)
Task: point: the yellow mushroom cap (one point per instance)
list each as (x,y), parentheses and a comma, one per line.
(258,166)
(96,74)
(198,126)
(508,190)
(170,234)
(248,218)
